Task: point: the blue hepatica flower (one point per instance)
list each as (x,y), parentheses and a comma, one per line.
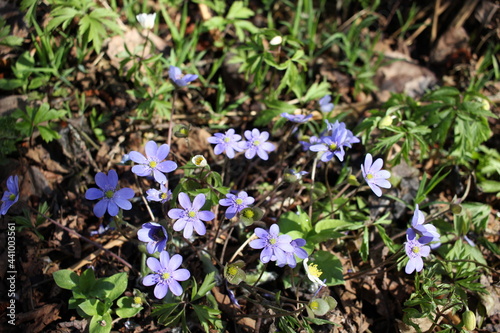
(274,246)
(333,143)
(227,142)
(236,203)
(166,274)
(298,251)
(415,250)
(155,235)
(178,78)
(190,217)
(427,232)
(154,162)
(296,118)
(10,196)
(374,176)
(325,105)
(162,195)
(256,144)
(110,198)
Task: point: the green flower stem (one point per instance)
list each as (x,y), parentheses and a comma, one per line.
(313,177)
(171,125)
(71,231)
(151,215)
(261,273)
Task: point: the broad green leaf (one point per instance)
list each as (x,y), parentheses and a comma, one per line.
(110,288)
(66,279)
(331,267)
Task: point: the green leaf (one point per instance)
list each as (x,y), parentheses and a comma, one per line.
(87,281)
(206,286)
(365,245)
(291,221)
(207,315)
(239,11)
(110,288)
(331,267)
(66,279)
(101,324)
(126,307)
(89,306)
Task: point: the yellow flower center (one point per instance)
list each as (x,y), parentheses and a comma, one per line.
(192,214)
(369,176)
(239,201)
(163,195)
(256,142)
(333,146)
(314,305)
(165,276)
(109,194)
(415,249)
(227,139)
(12,197)
(183,131)
(232,271)
(152,164)
(198,160)
(314,270)
(137,300)
(272,241)
(248,214)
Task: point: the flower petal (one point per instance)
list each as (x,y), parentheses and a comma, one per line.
(94,194)
(137,157)
(100,208)
(181,274)
(141,170)
(184,200)
(154,264)
(151,148)
(175,287)
(175,262)
(198,202)
(150,280)
(162,152)
(160,290)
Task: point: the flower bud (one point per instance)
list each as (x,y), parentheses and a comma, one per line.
(456,208)
(469,320)
(384,122)
(276,40)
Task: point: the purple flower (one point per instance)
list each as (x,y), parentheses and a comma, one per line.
(190,216)
(155,235)
(178,79)
(101,230)
(334,143)
(374,176)
(166,274)
(153,162)
(274,246)
(256,144)
(110,198)
(297,174)
(10,196)
(227,142)
(325,105)
(162,195)
(297,251)
(312,140)
(236,203)
(296,118)
(427,233)
(415,250)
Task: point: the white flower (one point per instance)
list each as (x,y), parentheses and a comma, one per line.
(147,21)
(313,273)
(276,40)
(199,161)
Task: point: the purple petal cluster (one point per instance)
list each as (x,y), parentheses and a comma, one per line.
(236,203)
(333,142)
(279,248)
(325,105)
(227,142)
(417,236)
(190,217)
(374,176)
(153,163)
(180,80)
(297,118)
(257,144)
(166,274)
(155,235)
(427,232)
(162,195)
(110,198)
(415,250)
(10,196)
